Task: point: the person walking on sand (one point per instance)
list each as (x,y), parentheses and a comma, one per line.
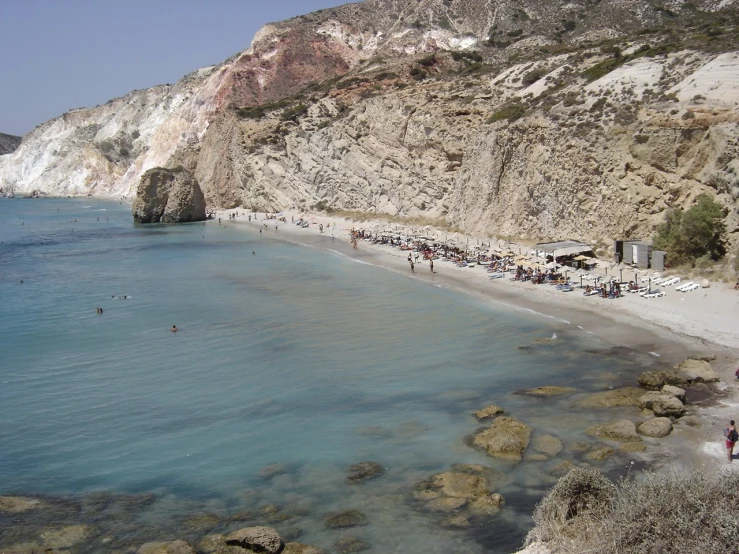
(431,265)
(732,436)
(413,267)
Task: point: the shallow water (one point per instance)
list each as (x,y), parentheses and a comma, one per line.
(293,356)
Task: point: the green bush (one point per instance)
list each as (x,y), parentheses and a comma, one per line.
(511,112)
(427,61)
(688,235)
(532,76)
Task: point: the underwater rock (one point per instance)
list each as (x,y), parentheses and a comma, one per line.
(459,521)
(657,427)
(299,548)
(446,504)
(274,514)
(170,547)
(257,539)
(487,505)
(202,522)
(627,396)
(363,471)
(506,439)
(563,467)
(578,447)
(548,445)
(632,447)
(459,485)
(601,454)
(621,431)
(346,518)
(488,412)
(546,391)
(347,545)
(18,504)
(663,405)
(272,470)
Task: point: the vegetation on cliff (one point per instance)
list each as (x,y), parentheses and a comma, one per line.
(696,234)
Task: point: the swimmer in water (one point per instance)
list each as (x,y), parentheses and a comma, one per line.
(252,253)
(174,328)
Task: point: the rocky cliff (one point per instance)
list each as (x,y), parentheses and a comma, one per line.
(552,119)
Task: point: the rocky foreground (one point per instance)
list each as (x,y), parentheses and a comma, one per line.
(463,497)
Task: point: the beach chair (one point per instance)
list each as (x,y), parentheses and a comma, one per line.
(670,281)
(648,292)
(684,286)
(655,295)
(692,287)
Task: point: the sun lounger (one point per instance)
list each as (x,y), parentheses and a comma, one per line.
(671,281)
(593,292)
(690,288)
(684,286)
(496,275)
(654,291)
(655,295)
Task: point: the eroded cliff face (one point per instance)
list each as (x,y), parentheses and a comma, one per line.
(535,119)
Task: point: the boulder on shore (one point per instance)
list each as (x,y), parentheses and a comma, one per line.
(697,371)
(662,405)
(677,392)
(657,427)
(506,439)
(168,196)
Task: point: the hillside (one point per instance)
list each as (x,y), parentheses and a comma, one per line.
(8,143)
(535,119)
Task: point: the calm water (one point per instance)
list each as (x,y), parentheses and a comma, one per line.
(295,356)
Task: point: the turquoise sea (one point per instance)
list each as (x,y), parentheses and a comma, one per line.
(290,365)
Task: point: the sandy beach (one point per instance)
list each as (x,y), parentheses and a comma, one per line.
(674,327)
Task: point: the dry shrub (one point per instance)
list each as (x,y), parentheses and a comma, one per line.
(675,512)
(572,510)
(671,512)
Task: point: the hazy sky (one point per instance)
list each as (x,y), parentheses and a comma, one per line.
(64,54)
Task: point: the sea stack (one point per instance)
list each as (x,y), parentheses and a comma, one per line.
(168,196)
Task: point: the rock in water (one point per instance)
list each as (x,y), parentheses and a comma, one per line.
(506,439)
(363,471)
(168,196)
(257,539)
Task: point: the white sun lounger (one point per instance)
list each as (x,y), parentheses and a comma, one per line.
(691,287)
(647,292)
(671,281)
(684,286)
(655,295)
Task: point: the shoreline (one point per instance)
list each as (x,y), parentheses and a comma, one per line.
(672,331)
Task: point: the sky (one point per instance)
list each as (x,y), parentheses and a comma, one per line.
(64,54)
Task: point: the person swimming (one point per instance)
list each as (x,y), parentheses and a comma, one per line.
(174,328)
